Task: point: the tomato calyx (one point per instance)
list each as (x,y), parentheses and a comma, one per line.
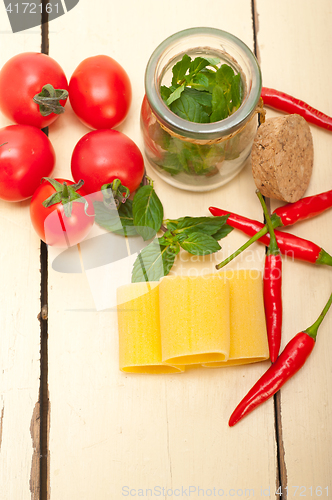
(114,194)
(66,195)
(49,100)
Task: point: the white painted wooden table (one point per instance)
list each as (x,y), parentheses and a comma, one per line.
(110,435)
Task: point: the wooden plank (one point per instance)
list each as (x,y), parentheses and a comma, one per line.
(110,431)
(19,325)
(294,50)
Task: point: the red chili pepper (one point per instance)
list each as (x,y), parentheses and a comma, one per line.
(272,288)
(290,245)
(285,102)
(306,208)
(287,364)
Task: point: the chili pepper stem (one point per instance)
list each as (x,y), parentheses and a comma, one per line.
(254,238)
(276,222)
(273,247)
(312,330)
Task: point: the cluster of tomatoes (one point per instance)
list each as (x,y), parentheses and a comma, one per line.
(33,92)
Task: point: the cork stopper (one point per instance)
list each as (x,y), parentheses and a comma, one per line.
(282,158)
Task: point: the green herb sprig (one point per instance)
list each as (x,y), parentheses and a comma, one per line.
(201,91)
(144,215)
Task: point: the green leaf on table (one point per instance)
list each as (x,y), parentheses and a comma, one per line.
(148,212)
(206,225)
(222,232)
(198,243)
(180,69)
(153,262)
(219,105)
(115,221)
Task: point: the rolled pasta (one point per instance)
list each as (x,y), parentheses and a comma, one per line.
(194,319)
(139,329)
(248,337)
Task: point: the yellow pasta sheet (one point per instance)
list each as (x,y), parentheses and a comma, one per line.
(213,320)
(139,330)
(194,319)
(248,337)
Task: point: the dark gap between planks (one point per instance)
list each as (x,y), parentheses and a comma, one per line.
(43,390)
(281,472)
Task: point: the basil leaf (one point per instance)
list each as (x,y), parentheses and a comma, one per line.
(165,92)
(224,76)
(211,76)
(152,263)
(189,109)
(180,69)
(219,105)
(213,61)
(175,95)
(200,81)
(203,98)
(237,91)
(200,244)
(222,232)
(206,225)
(197,65)
(115,221)
(148,212)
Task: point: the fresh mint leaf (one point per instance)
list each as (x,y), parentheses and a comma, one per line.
(180,69)
(203,98)
(237,91)
(200,82)
(147,212)
(197,65)
(175,95)
(213,61)
(171,224)
(222,232)
(198,243)
(211,76)
(153,262)
(206,225)
(197,75)
(116,221)
(165,92)
(189,109)
(219,105)
(224,76)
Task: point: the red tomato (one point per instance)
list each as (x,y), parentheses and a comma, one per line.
(100,92)
(51,223)
(101,156)
(21,78)
(26,155)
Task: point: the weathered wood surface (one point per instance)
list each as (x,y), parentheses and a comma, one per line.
(19,325)
(110,433)
(294,53)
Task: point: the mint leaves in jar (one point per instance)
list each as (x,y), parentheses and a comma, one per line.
(201,91)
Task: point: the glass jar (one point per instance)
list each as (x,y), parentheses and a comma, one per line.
(199,156)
